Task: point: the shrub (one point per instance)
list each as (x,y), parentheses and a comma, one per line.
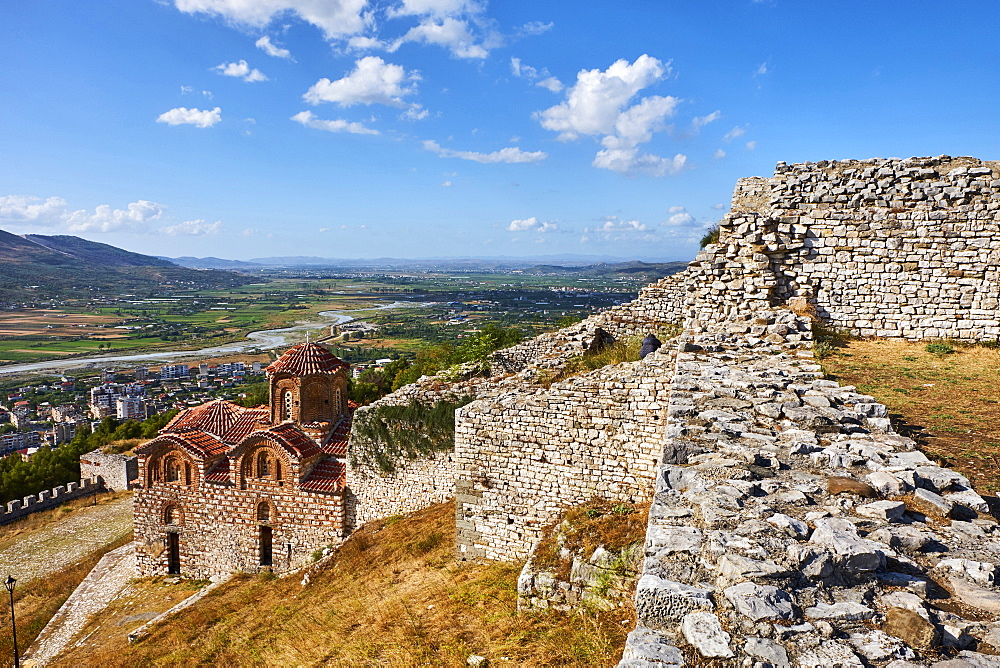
(940,348)
(711,236)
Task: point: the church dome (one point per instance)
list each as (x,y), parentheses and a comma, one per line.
(305,359)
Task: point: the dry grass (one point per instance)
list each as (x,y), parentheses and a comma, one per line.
(950,404)
(393,595)
(10,533)
(586,527)
(37,602)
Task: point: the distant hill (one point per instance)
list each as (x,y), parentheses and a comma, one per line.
(211,263)
(34,267)
(649,271)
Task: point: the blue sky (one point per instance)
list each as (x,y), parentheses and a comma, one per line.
(430,128)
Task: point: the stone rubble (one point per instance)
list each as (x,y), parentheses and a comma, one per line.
(813,534)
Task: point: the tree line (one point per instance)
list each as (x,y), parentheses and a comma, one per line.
(51,467)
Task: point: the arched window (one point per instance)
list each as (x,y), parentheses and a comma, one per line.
(277,470)
(187,473)
(263,512)
(337,407)
(263,470)
(288,404)
(172,515)
(173,469)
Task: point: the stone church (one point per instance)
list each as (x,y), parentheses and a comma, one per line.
(225,488)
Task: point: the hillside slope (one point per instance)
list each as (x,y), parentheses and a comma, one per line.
(34,267)
(392,595)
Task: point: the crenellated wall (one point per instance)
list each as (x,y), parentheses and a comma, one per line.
(49,498)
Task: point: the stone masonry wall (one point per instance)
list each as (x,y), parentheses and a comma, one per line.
(524,456)
(116,471)
(892,248)
(49,498)
(791,526)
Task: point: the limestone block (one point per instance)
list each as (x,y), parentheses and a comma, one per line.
(890,511)
(853,553)
(760,601)
(704,632)
(842,611)
(661,603)
(768,651)
(645,647)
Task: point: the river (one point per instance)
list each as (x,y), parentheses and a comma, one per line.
(256,341)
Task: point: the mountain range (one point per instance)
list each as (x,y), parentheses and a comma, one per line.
(34,267)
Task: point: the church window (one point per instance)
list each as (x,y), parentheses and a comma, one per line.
(277,470)
(173,470)
(288,405)
(263,470)
(263,512)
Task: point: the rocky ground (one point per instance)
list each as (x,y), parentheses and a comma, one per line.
(792,526)
(67,541)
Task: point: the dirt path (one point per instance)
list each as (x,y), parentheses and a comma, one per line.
(66,542)
(105,582)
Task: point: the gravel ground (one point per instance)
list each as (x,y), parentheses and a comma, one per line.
(67,542)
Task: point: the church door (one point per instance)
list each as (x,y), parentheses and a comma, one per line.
(265,546)
(173,554)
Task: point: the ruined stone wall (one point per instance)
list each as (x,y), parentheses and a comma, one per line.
(791,526)
(219,529)
(524,456)
(115,471)
(49,498)
(892,248)
(661,304)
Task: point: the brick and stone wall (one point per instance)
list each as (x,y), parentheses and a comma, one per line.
(218,526)
(115,471)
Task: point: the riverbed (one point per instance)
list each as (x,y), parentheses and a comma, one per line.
(267,339)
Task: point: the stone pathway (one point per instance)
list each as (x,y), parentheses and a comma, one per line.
(109,577)
(67,542)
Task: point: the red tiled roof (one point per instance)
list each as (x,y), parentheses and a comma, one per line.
(326,477)
(336,443)
(219,473)
(305,359)
(226,421)
(291,438)
(198,443)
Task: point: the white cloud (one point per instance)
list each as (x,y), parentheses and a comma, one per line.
(720,206)
(308,119)
(267,46)
(185,90)
(551,84)
(679,218)
(751,145)
(738,131)
(719,154)
(511,154)
(240,70)
(449,32)
(414,113)
(629,161)
(598,98)
(613,228)
(363,43)
(193,116)
(336,18)
(135,217)
(194,228)
(761,69)
(677,209)
(447,184)
(372,81)
(323,230)
(698,122)
(436,8)
(250,232)
(21,210)
(532,224)
(535,28)
(600,103)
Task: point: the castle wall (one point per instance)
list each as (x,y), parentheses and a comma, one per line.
(522,457)
(115,471)
(416,483)
(218,529)
(49,498)
(891,248)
